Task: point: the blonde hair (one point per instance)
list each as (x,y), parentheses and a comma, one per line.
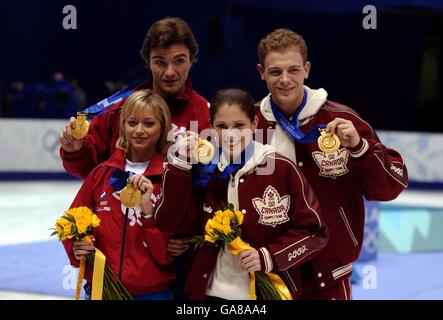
(279,40)
(140,100)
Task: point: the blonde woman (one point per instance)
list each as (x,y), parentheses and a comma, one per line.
(134,248)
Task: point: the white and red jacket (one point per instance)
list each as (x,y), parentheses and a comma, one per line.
(340,180)
(140,251)
(103,133)
(282,221)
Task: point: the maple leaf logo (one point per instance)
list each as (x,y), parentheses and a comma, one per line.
(273,209)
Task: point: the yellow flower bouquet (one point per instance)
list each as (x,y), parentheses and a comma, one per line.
(224,228)
(77,223)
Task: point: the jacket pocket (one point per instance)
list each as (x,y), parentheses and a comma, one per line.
(348,226)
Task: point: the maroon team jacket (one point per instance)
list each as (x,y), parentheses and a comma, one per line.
(103,133)
(141,251)
(282,215)
(341,181)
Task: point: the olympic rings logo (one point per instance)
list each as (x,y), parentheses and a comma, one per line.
(51,143)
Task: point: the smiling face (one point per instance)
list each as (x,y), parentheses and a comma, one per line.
(285,73)
(234,129)
(170,68)
(142,131)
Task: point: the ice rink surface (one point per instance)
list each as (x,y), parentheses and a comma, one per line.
(34,266)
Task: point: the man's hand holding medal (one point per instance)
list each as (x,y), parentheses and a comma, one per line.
(345,131)
(75,131)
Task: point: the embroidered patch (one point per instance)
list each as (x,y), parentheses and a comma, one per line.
(207,209)
(272,209)
(332,165)
(103,204)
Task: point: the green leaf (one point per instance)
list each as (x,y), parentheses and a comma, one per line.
(69,217)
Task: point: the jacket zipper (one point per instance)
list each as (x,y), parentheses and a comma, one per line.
(122,251)
(348,226)
(290,281)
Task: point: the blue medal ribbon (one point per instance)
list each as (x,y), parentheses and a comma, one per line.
(202,173)
(119,179)
(293,126)
(106,105)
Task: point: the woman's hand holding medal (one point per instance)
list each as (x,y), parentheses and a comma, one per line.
(138,192)
(184,146)
(192,149)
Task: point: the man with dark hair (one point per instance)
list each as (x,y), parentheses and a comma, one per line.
(169,50)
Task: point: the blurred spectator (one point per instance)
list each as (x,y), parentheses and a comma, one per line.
(19,100)
(78,94)
(60,99)
(61,103)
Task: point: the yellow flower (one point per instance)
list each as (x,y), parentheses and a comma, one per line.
(218,213)
(63,226)
(95,221)
(226,229)
(83,223)
(83,218)
(239,216)
(209,225)
(209,238)
(218,217)
(226,217)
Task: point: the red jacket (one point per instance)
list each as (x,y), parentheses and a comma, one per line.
(146,265)
(341,181)
(282,216)
(103,133)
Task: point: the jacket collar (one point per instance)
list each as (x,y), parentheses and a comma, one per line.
(155,167)
(315,99)
(260,152)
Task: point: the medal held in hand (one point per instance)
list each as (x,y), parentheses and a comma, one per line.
(203,151)
(130,196)
(81,126)
(328,143)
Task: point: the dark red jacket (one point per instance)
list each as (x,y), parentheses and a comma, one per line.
(282,214)
(341,182)
(146,265)
(103,133)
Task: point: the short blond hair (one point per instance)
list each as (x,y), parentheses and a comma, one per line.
(140,100)
(280,40)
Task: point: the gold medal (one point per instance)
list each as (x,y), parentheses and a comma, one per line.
(81,126)
(328,143)
(130,197)
(203,151)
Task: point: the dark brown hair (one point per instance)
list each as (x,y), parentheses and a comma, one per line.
(232,96)
(166,32)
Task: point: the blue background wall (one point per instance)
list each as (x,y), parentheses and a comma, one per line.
(378,72)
